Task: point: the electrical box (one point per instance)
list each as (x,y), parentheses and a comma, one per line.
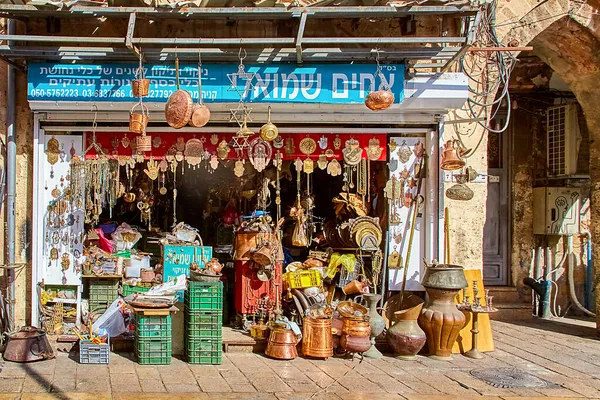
(556,211)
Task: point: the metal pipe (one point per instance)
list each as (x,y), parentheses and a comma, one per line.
(571,267)
(537,273)
(589,281)
(11,180)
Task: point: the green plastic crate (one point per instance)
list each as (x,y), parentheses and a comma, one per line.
(204,351)
(103,291)
(203,324)
(155,326)
(150,351)
(128,289)
(205,296)
(98,306)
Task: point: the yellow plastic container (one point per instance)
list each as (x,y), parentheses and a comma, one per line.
(302,279)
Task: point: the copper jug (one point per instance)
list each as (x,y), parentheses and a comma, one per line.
(282,344)
(355,287)
(317,338)
(451,157)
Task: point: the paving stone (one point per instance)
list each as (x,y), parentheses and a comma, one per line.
(181,376)
(63,385)
(161,396)
(389,384)
(147,372)
(320,378)
(242,387)
(182,387)
(270,385)
(304,387)
(65,396)
(213,384)
(206,370)
(306,396)
(152,386)
(359,385)
(242,396)
(370,396)
(37,383)
(11,385)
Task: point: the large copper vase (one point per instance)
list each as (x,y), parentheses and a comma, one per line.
(405,337)
(440,319)
(317,340)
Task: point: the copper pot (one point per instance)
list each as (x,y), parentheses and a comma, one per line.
(138,120)
(26,345)
(140,87)
(282,344)
(337,326)
(355,344)
(451,157)
(179,107)
(355,287)
(356,328)
(379,100)
(317,340)
(245,243)
(264,255)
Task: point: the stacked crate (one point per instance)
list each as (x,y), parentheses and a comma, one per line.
(128,289)
(152,339)
(103,292)
(203,322)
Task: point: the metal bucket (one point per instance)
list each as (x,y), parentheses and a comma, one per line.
(26,345)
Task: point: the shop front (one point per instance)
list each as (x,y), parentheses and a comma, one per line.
(294,194)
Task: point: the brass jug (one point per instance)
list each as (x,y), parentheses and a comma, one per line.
(451,157)
(317,339)
(282,344)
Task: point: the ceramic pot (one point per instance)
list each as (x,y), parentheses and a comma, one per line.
(440,319)
(405,336)
(376,322)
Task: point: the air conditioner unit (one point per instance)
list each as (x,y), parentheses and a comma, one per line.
(563,139)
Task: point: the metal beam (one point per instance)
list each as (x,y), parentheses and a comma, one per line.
(470,39)
(63,39)
(299,37)
(129,36)
(14,10)
(383,40)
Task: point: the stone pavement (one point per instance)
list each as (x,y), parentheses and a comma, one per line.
(565,353)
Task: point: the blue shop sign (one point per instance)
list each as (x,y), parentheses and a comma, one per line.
(287,83)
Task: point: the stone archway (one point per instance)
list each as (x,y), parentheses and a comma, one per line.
(566,36)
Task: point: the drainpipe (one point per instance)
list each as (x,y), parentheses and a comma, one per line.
(571,267)
(589,302)
(11,181)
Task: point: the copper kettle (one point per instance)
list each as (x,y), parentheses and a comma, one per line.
(282,343)
(451,156)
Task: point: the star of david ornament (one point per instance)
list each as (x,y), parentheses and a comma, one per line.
(241,81)
(241,112)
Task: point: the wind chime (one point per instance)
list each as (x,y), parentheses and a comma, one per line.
(138,119)
(95,180)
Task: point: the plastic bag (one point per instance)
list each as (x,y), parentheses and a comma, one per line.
(112,320)
(125,237)
(348,261)
(169,288)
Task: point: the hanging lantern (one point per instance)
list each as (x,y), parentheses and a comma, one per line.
(451,157)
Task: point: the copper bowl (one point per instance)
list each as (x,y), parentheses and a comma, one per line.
(352,310)
(200,116)
(379,100)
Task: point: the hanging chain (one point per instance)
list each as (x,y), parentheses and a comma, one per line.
(379,74)
(200,78)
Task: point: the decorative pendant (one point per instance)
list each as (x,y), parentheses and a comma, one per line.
(395,259)
(278,142)
(156,142)
(374,150)
(125,142)
(322,162)
(337,142)
(152,169)
(392,145)
(238,170)
(65,263)
(163,166)
(290,149)
(329,153)
(404,174)
(114,143)
(278,160)
(392,165)
(194,151)
(180,144)
(419,149)
(54,254)
(139,158)
(55,192)
(260,153)
(214,139)
(309,166)
(298,164)
(73,152)
(334,168)
(214,162)
(352,152)
(223,150)
(308,146)
(404,152)
(323,142)
(52,151)
(179,156)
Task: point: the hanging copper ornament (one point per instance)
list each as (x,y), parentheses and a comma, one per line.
(451,157)
(352,152)
(260,153)
(223,150)
(52,150)
(404,152)
(379,100)
(308,146)
(194,151)
(374,150)
(269,131)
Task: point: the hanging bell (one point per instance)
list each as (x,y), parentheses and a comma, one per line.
(269,131)
(451,160)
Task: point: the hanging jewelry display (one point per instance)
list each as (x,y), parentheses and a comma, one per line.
(404,152)
(238,170)
(95,179)
(214,139)
(125,141)
(194,151)
(361,180)
(419,149)
(392,145)
(395,259)
(334,168)
(278,161)
(152,169)
(337,142)
(223,150)
(352,152)
(52,154)
(393,193)
(290,148)
(374,150)
(174,171)
(299,237)
(260,153)
(298,164)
